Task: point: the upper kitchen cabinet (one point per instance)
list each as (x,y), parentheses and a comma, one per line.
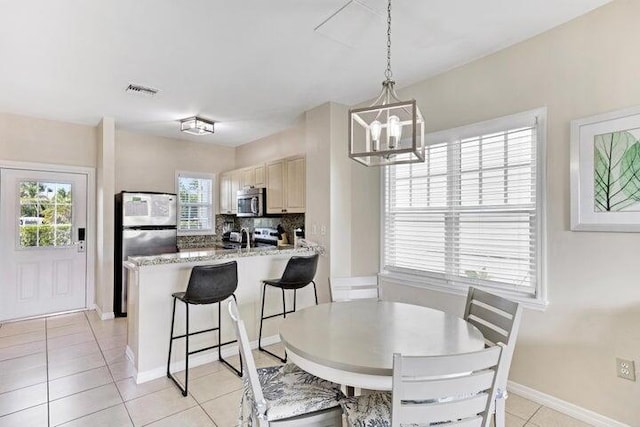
(230,183)
(286,185)
(225,193)
(253,177)
(295,185)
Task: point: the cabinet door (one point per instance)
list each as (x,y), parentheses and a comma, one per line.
(275,186)
(295,191)
(225,193)
(236,181)
(248,177)
(260,176)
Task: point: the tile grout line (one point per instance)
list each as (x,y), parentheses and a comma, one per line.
(533,415)
(108,369)
(92,388)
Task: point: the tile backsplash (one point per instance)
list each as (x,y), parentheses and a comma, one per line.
(289,222)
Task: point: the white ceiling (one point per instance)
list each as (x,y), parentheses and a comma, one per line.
(252,65)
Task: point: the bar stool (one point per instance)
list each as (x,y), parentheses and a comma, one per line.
(208,284)
(298,273)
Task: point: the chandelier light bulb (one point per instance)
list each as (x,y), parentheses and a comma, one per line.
(394,127)
(376,129)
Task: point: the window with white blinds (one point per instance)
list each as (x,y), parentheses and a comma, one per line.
(470,214)
(195,203)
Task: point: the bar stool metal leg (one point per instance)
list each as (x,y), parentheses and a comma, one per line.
(298,273)
(315,291)
(186,336)
(173,318)
(262,318)
(283,314)
(186,354)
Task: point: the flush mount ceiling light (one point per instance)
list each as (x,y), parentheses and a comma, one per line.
(390,131)
(196,126)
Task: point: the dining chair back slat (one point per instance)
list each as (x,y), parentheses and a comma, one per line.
(500,319)
(415,366)
(439,389)
(441,412)
(353,288)
(474,383)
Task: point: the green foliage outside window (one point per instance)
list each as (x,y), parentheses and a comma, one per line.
(45,214)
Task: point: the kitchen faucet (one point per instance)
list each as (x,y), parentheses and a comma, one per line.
(242,231)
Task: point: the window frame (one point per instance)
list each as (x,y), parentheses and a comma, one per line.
(196,175)
(429,281)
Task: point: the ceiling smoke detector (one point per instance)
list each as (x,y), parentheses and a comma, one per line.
(141,90)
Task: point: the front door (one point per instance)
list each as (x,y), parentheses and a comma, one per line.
(43,262)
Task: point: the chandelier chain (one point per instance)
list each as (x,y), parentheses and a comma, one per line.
(388,74)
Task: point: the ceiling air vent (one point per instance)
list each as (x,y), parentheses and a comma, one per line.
(141,90)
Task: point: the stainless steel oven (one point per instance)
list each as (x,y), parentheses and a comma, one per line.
(251,202)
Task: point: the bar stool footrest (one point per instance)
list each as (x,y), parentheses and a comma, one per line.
(274,355)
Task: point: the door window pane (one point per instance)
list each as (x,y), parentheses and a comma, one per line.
(45,214)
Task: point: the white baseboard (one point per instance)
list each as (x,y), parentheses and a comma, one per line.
(104,316)
(228,351)
(130,355)
(575,411)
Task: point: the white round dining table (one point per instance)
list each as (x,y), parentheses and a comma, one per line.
(352,343)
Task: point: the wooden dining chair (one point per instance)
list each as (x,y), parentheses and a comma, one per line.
(353,288)
(444,390)
(284,395)
(499,320)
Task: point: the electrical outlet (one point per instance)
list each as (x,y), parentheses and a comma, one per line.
(626,369)
(323,229)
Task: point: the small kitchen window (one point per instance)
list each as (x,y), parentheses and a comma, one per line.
(473,213)
(195,203)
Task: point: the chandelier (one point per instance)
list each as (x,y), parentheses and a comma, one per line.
(389,131)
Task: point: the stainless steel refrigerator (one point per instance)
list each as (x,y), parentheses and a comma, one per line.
(145,224)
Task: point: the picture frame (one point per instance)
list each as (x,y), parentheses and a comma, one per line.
(605,172)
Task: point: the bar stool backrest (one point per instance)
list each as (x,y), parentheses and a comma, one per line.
(212,283)
(300,270)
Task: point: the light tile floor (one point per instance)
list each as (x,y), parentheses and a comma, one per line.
(70,370)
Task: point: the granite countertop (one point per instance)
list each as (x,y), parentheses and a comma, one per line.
(212,254)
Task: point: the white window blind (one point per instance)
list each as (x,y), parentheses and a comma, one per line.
(195,203)
(469,214)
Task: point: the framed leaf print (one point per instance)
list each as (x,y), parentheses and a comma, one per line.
(605,172)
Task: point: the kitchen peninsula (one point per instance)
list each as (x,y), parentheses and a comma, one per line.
(152,280)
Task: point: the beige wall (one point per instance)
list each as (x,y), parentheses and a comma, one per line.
(365,219)
(105,220)
(585,67)
(148,163)
(317,135)
(28,139)
(289,142)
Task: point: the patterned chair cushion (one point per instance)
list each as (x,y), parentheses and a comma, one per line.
(371,410)
(368,410)
(290,391)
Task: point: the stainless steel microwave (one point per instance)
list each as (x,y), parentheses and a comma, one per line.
(251,202)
